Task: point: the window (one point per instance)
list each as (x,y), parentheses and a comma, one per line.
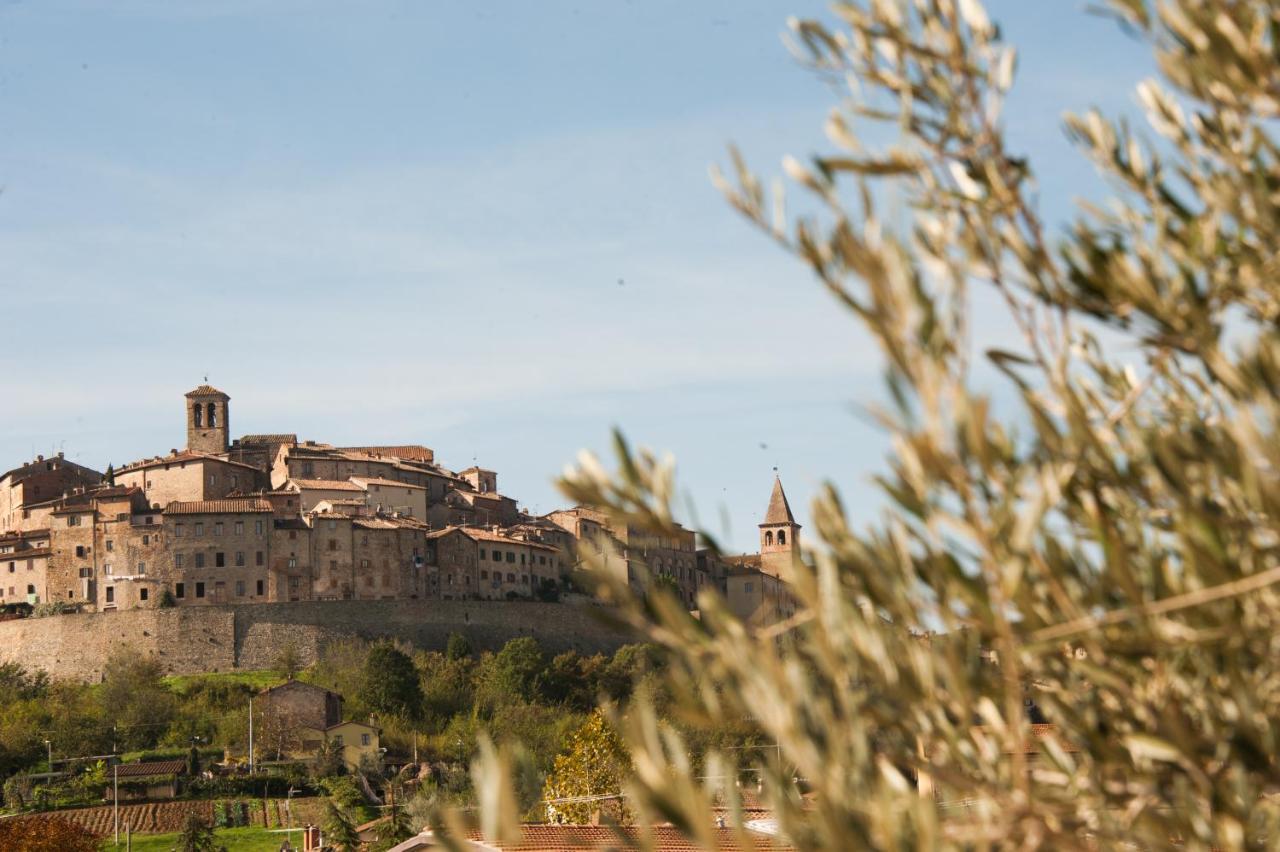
(257,527)
(217,528)
(239,528)
(782,536)
(293,561)
(337,740)
(239,588)
(213,416)
(199,529)
(511,578)
(213,479)
(177,530)
(293,584)
(747,588)
(146,540)
(511,557)
(111,594)
(308,469)
(768,538)
(199,590)
(73,520)
(199,560)
(180,590)
(149,521)
(106,569)
(31,590)
(239,558)
(259,587)
(497,556)
(219,560)
(484,575)
(333,525)
(197,416)
(333,543)
(483,554)
(365,739)
(86,573)
(259,559)
(142,594)
(80,550)
(293,534)
(177,560)
(111,545)
(142,567)
(542,560)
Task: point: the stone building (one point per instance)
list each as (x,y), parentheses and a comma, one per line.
(38,482)
(270,518)
(187,476)
(24,567)
(219,551)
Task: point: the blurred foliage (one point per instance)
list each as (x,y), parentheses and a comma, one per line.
(1106,547)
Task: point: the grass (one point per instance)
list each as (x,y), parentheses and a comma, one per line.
(260,679)
(235,839)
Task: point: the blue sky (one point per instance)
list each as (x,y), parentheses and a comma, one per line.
(482,226)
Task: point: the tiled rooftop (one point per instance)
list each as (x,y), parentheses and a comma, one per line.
(232,506)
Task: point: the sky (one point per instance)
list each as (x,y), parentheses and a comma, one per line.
(486,227)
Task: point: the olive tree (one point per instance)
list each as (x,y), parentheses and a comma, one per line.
(1108,548)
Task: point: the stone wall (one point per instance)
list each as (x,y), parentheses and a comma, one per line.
(189,640)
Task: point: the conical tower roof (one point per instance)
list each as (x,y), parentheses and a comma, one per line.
(779,511)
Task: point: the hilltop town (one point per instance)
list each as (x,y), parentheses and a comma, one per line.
(271,519)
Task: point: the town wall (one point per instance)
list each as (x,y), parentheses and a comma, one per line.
(190,640)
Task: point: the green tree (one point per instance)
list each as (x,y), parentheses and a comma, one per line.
(1084,517)
(511,674)
(398,825)
(110,476)
(389,682)
(589,774)
(197,836)
(193,762)
(135,699)
(457,647)
(339,829)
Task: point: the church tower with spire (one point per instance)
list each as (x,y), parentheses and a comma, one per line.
(779,535)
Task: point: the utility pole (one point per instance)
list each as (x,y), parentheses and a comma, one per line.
(115,799)
(251,734)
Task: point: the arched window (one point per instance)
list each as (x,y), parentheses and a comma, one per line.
(198,413)
(768,538)
(782,536)
(213,415)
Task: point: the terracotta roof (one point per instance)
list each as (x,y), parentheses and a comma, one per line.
(375,480)
(410,452)
(235,505)
(206,390)
(327,485)
(480,534)
(32,553)
(179,458)
(158,767)
(575,838)
(779,511)
(269,439)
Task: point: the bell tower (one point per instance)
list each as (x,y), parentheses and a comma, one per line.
(779,535)
(208,421)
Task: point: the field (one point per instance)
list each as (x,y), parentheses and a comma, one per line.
(252,839)
(256,679)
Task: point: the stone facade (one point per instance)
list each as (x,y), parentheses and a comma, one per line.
(24,567)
